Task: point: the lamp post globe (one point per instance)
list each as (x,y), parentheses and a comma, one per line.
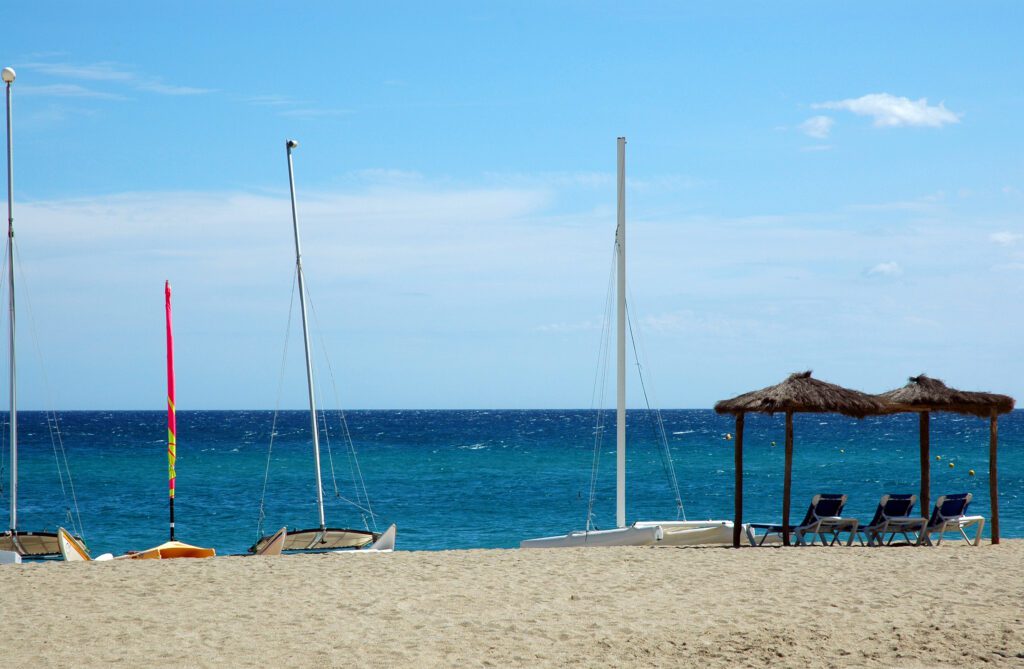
(8,75)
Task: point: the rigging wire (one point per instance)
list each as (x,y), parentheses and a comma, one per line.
(71,513)
(6,424)
(640,353)
(362,498)
(277,410)
(598,397)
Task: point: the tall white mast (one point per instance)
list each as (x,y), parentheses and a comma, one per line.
(8,77)
(620,344)
(289,145)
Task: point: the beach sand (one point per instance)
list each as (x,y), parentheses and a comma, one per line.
(811,606)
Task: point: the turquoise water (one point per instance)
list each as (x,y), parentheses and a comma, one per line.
(476,479)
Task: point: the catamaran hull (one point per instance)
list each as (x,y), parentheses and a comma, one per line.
(621,536)
(31,544)
(692,532)
(646,533)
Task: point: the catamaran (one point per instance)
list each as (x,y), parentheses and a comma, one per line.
(641,533)
(320,538)
(72,550)
(20,542)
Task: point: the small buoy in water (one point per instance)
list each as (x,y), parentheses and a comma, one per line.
(773,443)
(970,473)
(951,465)
(938,457)
(842,450)
(728,436)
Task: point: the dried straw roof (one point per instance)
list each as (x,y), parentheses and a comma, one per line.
(923,393)
(802,393)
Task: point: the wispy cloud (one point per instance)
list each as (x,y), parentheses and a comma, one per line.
(926,204)
(110,73)
(566,328)
(94,72)
(271,101)
(1005,238)
(817,127)
(291,108)
(157,86)
(886,269)
(313,112)
(67,91)
(890,111)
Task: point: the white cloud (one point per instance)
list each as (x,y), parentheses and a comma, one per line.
(157,86)
(567,328)
(890,111)
(886,269)
(67,91)
(92,72)
(817,127)
(1005,238)
(111,73)
(312,112)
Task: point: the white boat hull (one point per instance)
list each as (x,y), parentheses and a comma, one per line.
(621,536)
(692,532)
(644,533)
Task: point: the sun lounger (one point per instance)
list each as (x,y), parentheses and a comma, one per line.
(893,517)
(822,519)
(948,516)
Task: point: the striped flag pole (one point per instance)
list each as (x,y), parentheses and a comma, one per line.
(172,427)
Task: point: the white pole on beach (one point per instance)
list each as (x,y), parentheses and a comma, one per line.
(620,343)
(8,77)
(289,145)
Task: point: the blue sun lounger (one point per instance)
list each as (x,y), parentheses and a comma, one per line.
(822,519)
(948,516)
(893,517)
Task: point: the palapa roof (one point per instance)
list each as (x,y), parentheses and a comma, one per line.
(924,393)
(801,393)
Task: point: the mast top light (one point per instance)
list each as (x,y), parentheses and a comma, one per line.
(8,75)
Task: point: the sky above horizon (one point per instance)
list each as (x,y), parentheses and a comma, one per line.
(827,187)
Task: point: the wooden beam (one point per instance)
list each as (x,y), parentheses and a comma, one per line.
(993,473)
(787,484)
(738,519)
(924,419)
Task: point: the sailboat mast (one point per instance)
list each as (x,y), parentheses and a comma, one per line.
(172,422)
(620,343)
(8,77)
(289,145)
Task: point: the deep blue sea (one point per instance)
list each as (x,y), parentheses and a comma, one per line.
(475,479)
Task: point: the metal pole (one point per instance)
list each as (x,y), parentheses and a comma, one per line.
(9,79)
(620,371)
(289,145)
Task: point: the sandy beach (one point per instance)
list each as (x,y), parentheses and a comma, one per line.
(899,606)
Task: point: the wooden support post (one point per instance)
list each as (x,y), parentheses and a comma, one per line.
(993,473)
(738,518)
(924,419)
(787,484)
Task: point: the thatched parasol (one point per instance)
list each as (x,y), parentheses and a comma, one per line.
(800,393)
(924,395)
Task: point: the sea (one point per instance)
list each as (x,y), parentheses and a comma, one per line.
(470,479)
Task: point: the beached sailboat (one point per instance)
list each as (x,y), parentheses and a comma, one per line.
(642,533)
(320,538)
(24,543)
(172,548)
(72,550)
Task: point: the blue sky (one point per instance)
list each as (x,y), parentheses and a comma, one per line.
(831,187)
